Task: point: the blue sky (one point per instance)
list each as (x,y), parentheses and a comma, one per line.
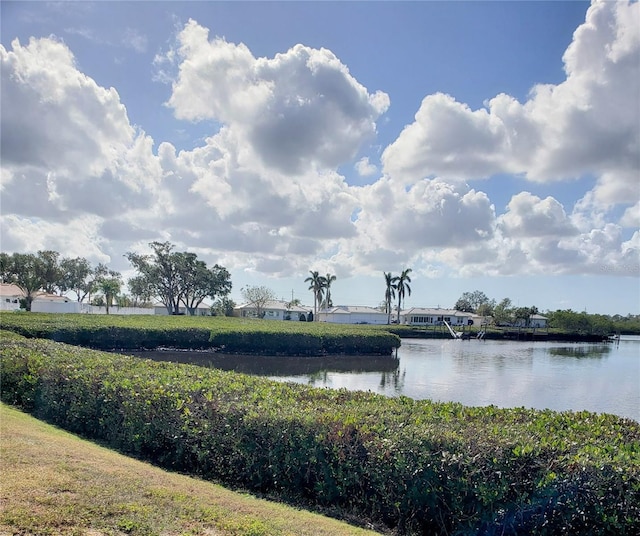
(486,145)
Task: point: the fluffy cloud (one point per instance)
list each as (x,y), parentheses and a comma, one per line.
(365,168)
(587,124)
(262,191)
(79,237)
(297,110)
(528,216)
(395,225)
(67,145)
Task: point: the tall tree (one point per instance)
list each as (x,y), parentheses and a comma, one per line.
(502,313)
(161,270)
(6,266)
(258,297)
(402,287)
(200,282)
(77,277)
(110,287)
(389,295)
(25,271)
(223,307)
(316,285)
(178,277)
(49,267)
(140,290)
(470,302)
(326,282)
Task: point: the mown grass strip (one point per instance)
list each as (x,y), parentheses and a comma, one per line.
(231,335)
(55,483)
(414,466)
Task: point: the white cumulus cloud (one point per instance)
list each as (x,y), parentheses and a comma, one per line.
(299,109)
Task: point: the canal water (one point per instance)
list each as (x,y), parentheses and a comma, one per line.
(559,376)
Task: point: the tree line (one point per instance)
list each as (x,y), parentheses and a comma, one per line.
(174,278)
(504,313)
(47,272)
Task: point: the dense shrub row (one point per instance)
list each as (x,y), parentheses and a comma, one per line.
(416,466)
(232,335)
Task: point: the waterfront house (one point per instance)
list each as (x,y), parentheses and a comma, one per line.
(350,314)
(417,316)
(535,321)
(273,310)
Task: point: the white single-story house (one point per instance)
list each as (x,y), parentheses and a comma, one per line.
(481,321)
(349,314)
(52,303)
(417,316)
(535,321)
(10,296)
(273,310)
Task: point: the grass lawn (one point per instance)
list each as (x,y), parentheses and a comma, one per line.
(55,483)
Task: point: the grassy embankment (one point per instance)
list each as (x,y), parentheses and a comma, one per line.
(416,467)
(230,335)
(56,483)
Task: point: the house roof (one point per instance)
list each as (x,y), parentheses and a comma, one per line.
(434,312)
(349,309)
(9,289)
(50,297)
(277,305)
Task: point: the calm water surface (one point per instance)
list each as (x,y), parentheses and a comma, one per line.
(559,376)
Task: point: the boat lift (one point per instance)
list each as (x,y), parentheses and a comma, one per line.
(455,334)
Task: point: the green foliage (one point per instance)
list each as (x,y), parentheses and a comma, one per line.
(177,277)
(231,335)
(472,302)
(582,323)
(416,466)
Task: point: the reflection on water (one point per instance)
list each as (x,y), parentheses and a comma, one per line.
(393,380)
(595,350)
(600,378)
(315,368)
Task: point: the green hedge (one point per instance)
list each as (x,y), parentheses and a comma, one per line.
(414,466)
(232,335)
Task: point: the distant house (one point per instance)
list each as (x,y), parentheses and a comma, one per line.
(535,321)
(273,310)
(10,296)
(349,314)
(52,303)
(417,316)
(481,321)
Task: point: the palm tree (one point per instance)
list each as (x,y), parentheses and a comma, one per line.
(389,294)
(316,285)
(327,280)
(110,288)
(402,287)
